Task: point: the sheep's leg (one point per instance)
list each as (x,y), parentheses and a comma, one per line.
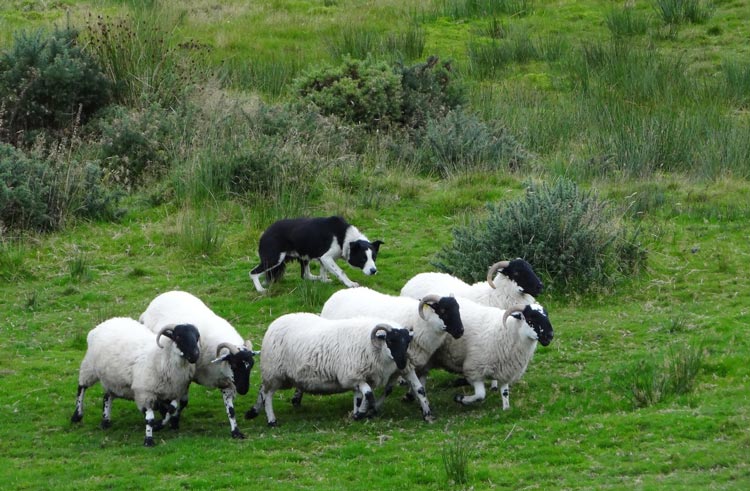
(107,410)
(172,413)
(254,411)
(268,400)
(333,268)
(297,398)
(494,384)
(357,399)
(418,390)
(479,394)
(228,396)
(367,402)
(78,413)
(505,392)
(149,414)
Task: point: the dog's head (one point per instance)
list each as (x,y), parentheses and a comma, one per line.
(362,255)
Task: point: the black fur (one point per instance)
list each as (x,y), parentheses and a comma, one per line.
(397,341)
(539,321)
(187,339)
(241,363)
(523,274)
(447,309)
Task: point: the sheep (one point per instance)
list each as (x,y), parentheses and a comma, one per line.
(226,360)
(130,362)
(514,283)
(324,356)
(431,326)
(497,344)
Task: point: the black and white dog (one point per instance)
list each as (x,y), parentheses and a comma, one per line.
(322,239)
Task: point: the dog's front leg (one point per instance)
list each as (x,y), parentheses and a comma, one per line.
(329,264)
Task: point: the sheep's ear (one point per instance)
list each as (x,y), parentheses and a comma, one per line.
(248,344)
(381,334)
(517,315)
(411,332)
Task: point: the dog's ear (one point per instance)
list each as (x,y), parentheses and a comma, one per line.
(376,245)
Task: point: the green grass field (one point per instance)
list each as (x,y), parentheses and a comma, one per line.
(575,421)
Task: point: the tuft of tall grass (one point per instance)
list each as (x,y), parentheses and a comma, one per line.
(359,42)
(626,22)
(271,77)
(653,380)
(79,268)
(12,260)
(487,59)
(142,56)
(737,82)
(199,232)
(456,454)
(675,12)
(464,9)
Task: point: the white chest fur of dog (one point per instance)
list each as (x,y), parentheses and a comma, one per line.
(307,239)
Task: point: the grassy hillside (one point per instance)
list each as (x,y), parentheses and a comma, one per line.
(645,384)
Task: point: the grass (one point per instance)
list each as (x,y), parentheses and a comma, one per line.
(659,130)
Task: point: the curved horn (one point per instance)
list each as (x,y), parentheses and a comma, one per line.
(424,301)
(493,269)
(379,327)
(512,310)
(232,348)
(163,331)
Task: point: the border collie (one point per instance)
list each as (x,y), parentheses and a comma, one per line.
(321,239)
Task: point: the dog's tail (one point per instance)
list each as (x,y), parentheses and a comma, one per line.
(275,274)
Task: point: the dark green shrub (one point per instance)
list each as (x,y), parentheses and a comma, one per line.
(429,91)
(40,192)
(362,92)
(48,82)
(378,96)
(461,142)
(572,238)
(133,143)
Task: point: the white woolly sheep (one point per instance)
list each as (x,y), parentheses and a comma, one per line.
(130,362)
(514,283)
(497,344)
(432,318)
(226,359)
(324,356)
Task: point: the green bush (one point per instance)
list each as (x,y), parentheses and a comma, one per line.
(48,82)
(40,192)
(362,92)
(133,144)
(461,142)
(572,238)
(378,96)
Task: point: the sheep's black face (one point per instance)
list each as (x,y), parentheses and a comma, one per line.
(447,309)
(397,341)
(241,364)
(362,255)
(187,339)
(523,274)
(536,317)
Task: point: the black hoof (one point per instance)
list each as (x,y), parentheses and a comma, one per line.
(273,424)
(237,434)
(158,425)
(76,418)
(459,398)
(408,397)
(148,442)
(460,382)
(105,424)
(359,416)
(251,413)
(174,423)
(494,389)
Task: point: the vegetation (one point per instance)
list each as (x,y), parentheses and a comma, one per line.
(162,138)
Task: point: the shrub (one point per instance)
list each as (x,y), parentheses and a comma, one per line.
(461,142)
(133,143)
(362,92)
(429,91)
(39,192)
(47,82)
(572,238)
(378,96)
